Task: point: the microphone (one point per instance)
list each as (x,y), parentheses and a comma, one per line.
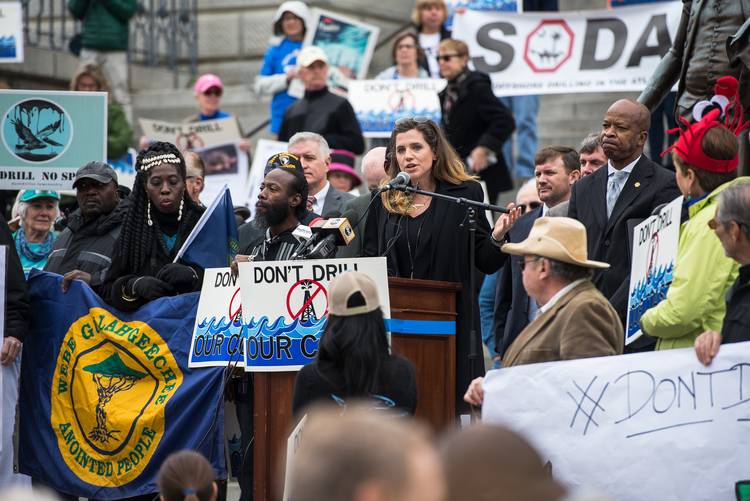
(401,179)
(335,232)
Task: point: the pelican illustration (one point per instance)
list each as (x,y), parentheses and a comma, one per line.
(30,141)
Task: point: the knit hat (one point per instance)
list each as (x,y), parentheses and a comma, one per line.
(296,7)
(352,293)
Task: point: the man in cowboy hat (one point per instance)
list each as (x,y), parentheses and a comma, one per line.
(574,319)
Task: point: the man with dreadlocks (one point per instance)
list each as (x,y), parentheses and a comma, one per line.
(159,217)
(706,159)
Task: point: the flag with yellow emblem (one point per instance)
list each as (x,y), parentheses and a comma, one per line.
(107,396)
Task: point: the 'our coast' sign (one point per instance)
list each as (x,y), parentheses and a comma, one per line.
(272,316)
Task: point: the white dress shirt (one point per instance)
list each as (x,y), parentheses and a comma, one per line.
(320,199)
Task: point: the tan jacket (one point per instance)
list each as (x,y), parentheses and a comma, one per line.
(581,324)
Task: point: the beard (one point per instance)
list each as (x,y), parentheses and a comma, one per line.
(273,215)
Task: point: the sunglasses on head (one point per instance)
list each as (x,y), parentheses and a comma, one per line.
(407,120)
(447,57)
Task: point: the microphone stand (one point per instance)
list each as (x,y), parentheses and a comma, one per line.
(471,222)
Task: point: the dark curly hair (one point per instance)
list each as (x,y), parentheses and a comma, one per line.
(137,238)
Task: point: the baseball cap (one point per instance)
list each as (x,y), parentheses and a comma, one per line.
(29,195)
(283,160)
(353,293)
(206,82)
(98,171)
(310,54)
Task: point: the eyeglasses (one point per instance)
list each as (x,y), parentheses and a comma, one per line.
(524,263)
(447,57)
(213,91)
(529,206)
(410,120)
(407,46)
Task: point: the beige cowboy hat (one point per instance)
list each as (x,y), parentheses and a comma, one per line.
(560,238)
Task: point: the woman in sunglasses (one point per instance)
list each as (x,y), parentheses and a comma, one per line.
(476,122)
(424,237)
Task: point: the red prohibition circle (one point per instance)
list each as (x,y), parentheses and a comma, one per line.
(294,286)
(238,310)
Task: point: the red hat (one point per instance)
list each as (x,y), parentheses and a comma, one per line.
(723,110)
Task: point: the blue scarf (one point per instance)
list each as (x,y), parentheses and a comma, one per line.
(24,248)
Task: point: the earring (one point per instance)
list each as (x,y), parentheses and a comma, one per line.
(148,214)
(182,204)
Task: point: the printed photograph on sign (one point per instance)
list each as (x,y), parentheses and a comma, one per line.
(285,307)
(11,32)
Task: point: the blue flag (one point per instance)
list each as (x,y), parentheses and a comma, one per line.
(214,241)
(107,396)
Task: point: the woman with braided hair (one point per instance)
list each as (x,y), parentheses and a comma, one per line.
(159,217)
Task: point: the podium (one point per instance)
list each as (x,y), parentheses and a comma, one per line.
(423,316)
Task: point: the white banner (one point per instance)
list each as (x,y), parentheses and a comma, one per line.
(286,307)
(654,253)
(216,141)
(378,104)
(573,51)
(645,426)
(11,32)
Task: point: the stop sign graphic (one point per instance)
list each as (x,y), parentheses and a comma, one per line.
(548,46)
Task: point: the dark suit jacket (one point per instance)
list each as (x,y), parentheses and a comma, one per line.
(335,201)
(581,324)
(448,260)
(511,299)
(359,206)
(649,185)
(478,118)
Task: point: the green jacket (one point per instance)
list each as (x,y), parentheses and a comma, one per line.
(119,132)
(702,274)
(105,22)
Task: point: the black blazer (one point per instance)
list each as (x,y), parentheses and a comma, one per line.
(478,118)
(511,299)
(648,186)
(449,260)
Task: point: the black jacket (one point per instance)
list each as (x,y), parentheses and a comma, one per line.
(118,275)
(648,186)
(478,118)
(324,383)
(87,246)
(16,298)
(511,299)
(327,114)
(449,260)
(736,327)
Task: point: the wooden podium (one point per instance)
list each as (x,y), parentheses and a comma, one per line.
(417,306)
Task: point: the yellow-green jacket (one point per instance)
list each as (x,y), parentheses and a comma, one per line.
(702,274)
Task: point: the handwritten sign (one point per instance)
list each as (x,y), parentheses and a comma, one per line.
(292,446)
(653,425)
(654,252)
(286,306)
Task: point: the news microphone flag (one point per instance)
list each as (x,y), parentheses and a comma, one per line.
(214,241)
(107,396)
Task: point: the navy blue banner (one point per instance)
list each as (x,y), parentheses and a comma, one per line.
(106,396)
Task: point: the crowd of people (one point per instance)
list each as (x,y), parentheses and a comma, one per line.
(551,272)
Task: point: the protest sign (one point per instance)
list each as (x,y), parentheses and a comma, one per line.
(218,332)
(11,32)
(264,150)
(481,5)
(286,307)
(566,52)
(107,396)
(655,425)
(216,141)
(654,252)
(379,103)
(48,135)
(348,44)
